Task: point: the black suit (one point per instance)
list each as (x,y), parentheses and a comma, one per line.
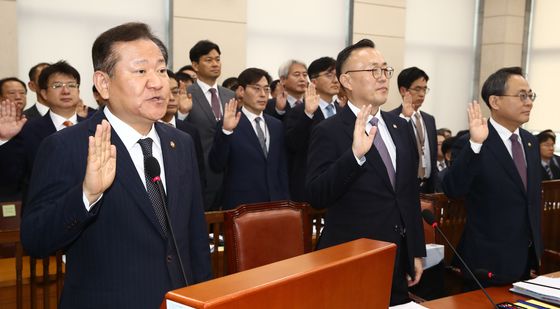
(361,201)
(117,256)
(503,218)
(553,168)
(32,112)
(431,138)
(193,132)
(298,131)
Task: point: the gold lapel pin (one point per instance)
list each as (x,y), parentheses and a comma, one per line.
(529,144)
(172,144)
(394,126)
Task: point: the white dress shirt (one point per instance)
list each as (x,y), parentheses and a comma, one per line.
(262,124)
(58,120)
(504,134)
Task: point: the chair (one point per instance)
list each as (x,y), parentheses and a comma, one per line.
(262,233)
(215,221)
(550,226)
(9,235)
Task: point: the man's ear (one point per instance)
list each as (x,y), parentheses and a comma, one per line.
(101,80)
(494,102)
(195,66)
(345,81)
(402,91)
(43,93)
(31,86)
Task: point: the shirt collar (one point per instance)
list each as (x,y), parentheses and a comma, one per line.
(292,100)
(126,133)
(250,115)
(59,120)
(205,87)
(504,133)
(42,108)
(377,115)
(323,104)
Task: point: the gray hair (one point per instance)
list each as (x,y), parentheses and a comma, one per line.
(284,69)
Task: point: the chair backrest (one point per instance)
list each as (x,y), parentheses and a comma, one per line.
(262,233)
(551,225)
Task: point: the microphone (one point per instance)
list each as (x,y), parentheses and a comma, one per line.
(486,275)
(151,165)
(430,219)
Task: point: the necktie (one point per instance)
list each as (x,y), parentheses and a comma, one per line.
(420,144)
(518,159)
(330,111)
(215,102)
(68,123)
(153,190)
(260,136)
(298,102)
(549,171)
(383,152)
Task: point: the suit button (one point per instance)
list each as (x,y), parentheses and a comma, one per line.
(169,258)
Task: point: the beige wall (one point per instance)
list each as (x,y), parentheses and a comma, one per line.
(220,21)
(8,33)
(383,22)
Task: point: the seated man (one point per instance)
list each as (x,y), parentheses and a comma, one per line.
(250,147)
(549,170)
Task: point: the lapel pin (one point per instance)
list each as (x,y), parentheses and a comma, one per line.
(172,144)
(529,144)
(394,126)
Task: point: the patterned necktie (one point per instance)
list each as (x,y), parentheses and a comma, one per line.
(420,143)
(518,159)
(215,102)
(152,188)
(383,152)
(68,123)
(260,136)
(548,171)
(330,111)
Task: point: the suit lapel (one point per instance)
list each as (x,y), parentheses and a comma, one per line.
(495,145)
(203,102)
(246,128)
(171,159)
(531,157)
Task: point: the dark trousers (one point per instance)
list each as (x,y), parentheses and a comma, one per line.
(399,287)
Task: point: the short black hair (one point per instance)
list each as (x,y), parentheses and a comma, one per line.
(11,79)
(230,83)
(61,67)
(273,84)
(321,65)
(345,53)
(34,69)
(252,75)
(447,144)
(184,77)
(103,54)
(545,136)
(185,67)
(443,131)
(496,83)
(409,75)
(171,75)
(202,48)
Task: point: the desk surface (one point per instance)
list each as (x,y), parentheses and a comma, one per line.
(477,299)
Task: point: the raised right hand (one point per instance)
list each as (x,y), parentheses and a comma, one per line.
(478,125)
(362,141)
(11,120)
(408,108)
(101,163)
(231,115)
(281,100)
(311,99)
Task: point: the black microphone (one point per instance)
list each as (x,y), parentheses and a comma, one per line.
(486,275)
(430,219)
(151,165)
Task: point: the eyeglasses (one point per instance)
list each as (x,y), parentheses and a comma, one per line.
(420,89)
(257,88)
(376,72)
(523,96)
(328,75)
(70,85)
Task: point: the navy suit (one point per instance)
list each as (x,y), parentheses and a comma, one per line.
(251,177)
(117,256)
(193,132)
(430,123)
(298,131)
(32,112)
(503,218)
(361,201)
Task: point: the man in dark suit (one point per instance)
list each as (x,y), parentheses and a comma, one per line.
(40,108)
(13,90)
(249,148)
(319,105)
(106,212)
(293,77)
(497,171)
(549,169)
(369,191)
(208,99)
(413,87)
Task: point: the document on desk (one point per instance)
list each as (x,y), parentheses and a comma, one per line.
(542,288)
(411,305)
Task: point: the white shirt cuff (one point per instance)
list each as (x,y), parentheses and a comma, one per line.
(86,202)
(227,132)
(279,111)
(475,147)
(361,160)
(404,117)
(309,115)
(181,116)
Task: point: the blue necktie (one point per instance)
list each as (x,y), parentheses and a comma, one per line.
(330,111)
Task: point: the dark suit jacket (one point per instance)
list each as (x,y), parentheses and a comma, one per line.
(202,117)
(32,112)
(251,177)
(193,132)
(298,130)
(555,172)
(117,256)
(361,201)
(502,217)
(430,123)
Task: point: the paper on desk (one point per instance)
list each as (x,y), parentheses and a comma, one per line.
(434,255)
(544,288)
(411,305)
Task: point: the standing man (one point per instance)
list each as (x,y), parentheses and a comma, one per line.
(40,108)
(413,87)
(362,168)
(497,171)
(207,109)
(293,77)
(14,90)
(319,105)
(93,196)
(250,146)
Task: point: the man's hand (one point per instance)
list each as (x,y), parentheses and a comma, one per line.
(407,107)
(231,115)
(418,270)
(281,100)
(478,125)
(311,99)
(184,102)
(362,141)
(11,120)
(81,109)
(101,163)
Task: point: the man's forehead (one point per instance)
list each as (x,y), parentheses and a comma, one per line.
(517,82)
(60,77)
(366,57)
(138,49)
(12,84)
(297,67)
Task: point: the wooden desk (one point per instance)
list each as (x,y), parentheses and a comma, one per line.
(477,299)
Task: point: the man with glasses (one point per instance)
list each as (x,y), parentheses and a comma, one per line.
(249,148)
(497,171)
(413,87)
(362,167)
(319,105)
